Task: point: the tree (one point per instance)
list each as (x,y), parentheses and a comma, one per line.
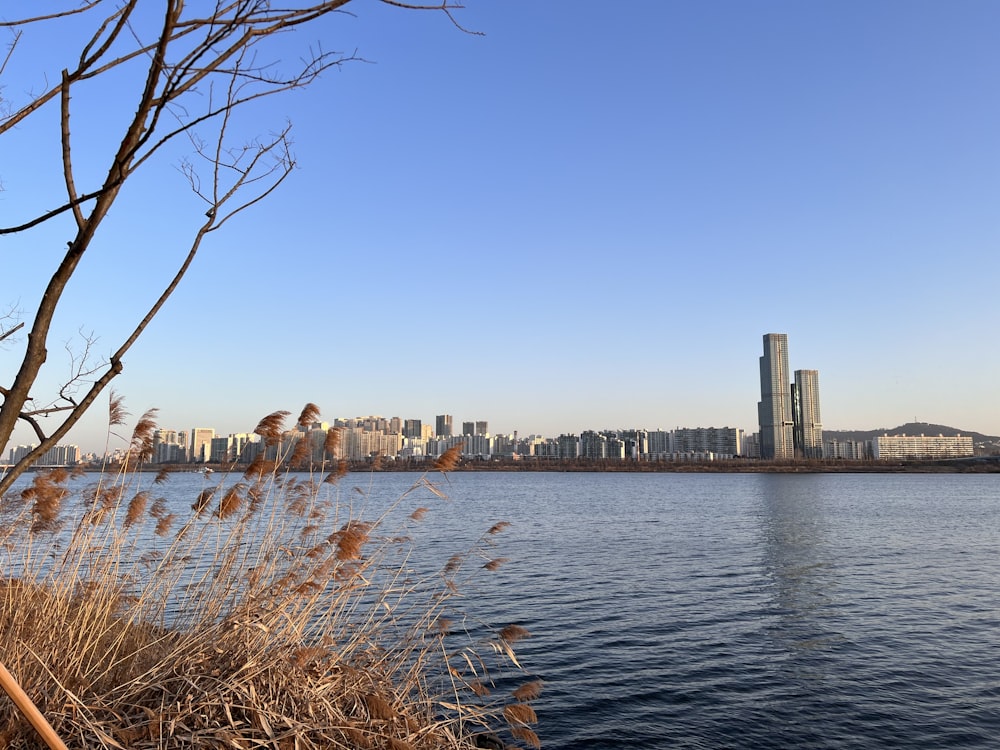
(194,67)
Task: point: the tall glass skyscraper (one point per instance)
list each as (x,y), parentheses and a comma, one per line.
(774,410)
(805,408)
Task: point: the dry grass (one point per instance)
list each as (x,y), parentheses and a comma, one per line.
(269,615)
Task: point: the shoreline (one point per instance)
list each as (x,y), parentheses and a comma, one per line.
(970,465)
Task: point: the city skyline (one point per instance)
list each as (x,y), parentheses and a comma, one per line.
(367,439)
(487,226)
(789,419)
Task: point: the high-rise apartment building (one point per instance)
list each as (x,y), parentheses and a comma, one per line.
(805,410)
(412,428)
(774,410)
(443,426)
(170,447)
(201,444)
(724,441)
(479,427)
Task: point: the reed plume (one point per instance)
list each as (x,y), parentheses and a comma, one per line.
(331,444)
(338,473)
(350,540)
(259,467)
(513,633)
(116,409)
(204,498)
(520,713)
(308,415)
(448,460)
(141,448)
(271,427)
(136,509)
(528,691)
(527,736)
(300,453)
(46,495)
(232,501)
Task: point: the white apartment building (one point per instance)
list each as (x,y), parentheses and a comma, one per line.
(57,455)
(888,447)
(854,450)
(725,441)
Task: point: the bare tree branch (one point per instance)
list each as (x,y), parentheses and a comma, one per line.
(191,72)
(67,161)
(11,331)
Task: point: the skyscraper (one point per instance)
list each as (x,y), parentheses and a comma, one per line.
(774,410)
(443,426)
(412,428)
(805,408)
(201,444)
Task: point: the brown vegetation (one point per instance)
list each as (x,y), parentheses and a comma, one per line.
(271,617)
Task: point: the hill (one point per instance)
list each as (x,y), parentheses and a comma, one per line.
(910,428)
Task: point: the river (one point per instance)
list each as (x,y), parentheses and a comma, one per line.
(736,610)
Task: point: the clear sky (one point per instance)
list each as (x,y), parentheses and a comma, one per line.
(585,218)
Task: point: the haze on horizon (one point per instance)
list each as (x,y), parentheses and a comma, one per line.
(585,219)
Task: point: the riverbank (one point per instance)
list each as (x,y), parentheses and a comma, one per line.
(974,465)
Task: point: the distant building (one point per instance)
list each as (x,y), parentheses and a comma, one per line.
(201,444)
(614,447)
(438,446)
(659,442)
(545,448)
(240,447)
(412,428)
(20,452)
(808,430)
(569,446)
(415,448)
(853,450)
(722,441)
(888,447)
(476,445)
(170,446)
(475,428)
(636,443)
(593,445)
(443,425)
(57,455)
(507,446)
(774,410)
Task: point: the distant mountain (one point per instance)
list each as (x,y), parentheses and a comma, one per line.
(910,428)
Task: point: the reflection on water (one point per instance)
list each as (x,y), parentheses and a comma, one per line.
(799,561)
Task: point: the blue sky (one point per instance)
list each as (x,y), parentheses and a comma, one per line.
(585,218)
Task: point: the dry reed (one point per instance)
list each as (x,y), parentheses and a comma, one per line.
(133,623)
(448,460)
